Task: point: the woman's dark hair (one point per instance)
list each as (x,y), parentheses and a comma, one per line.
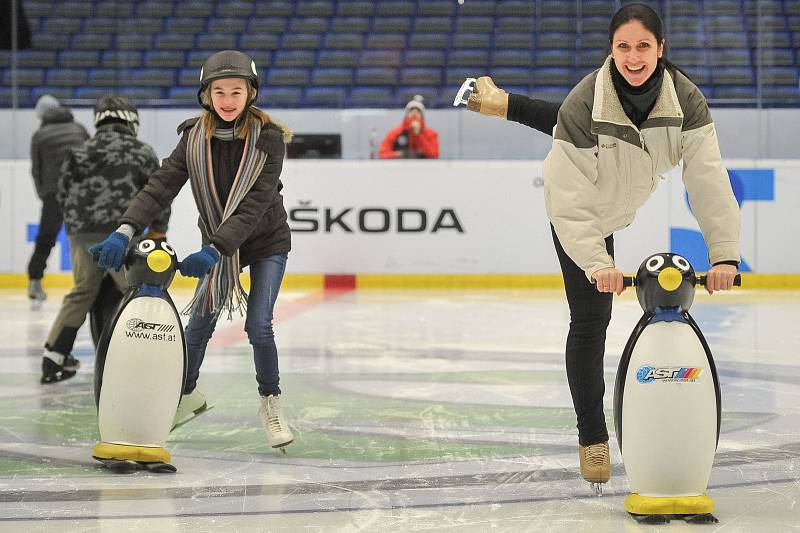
(649,19)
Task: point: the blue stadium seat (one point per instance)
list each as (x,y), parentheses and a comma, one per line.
(332,76)
(779,76)
(25,76)
(551,76)
(154,9)
(513,40)
(33,58)
(238,8)
(183,95)
(195,8)
(722,7)
(391,25)
(273,97)
(356,9)
(764,7)
(734,92)
(699,75)
(62,93)
(551,94)
(226,25)
(511,76)
(121,59)
(274,9)
(771,39)
(593,41)
(376,76)
(731,57)
(775,57)
(556,41)
(431,95)
(49,41)
(424,58)
(337,58)
(61,25)
(308,25)
(468,58)
(174,41)
(437,8)
(267,25)
(142,94)
(288,76)
(380,58)
(428,40)
(396,9)
(128,41)
(369,96)
(591,24)
(325,96)
(690,25)
(350,24)
(92,93)
(558,24)
(315,8)
(101,25)
(555,58)
(421,76)
(113,9)
(477,8)
(686,40)
(38,8)
(294,58)
(516,8)
(196,58)
(512,58)
(260,41)
(766,23)
(472,40)
(78,59)
(184,25)
(791,8)
(732,76)
(343,41)
(783,95)
(299,41)
(73,9)
(455,76)
(728,40)
(591,59)
(215,41)
(189,77)
(558,8)
(155,77)
(433,24)
(164,58)
(602,8)
(91,41)
(515,24)
(717,24)
(474,24)
(395,41)
(688,56)
(7,96)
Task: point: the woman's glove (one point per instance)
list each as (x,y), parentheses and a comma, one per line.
(488,99)
(198,264)
(110,252)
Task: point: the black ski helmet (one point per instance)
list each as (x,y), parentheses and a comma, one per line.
(227,64)
(116,106)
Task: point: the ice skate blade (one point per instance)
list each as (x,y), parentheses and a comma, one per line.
(598,487)
(282,446)
(206,408)
(464,92)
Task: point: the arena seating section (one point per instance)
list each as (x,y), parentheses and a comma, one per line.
(328,53)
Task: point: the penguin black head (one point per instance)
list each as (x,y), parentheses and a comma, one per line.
(665,280)
(152,262)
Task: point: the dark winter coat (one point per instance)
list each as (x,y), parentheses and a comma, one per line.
(258,227)
(50,145)
(102,176)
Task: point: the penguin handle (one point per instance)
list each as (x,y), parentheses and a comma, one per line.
(629,281)
(737,280)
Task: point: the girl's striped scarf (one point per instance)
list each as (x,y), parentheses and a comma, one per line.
(220,290)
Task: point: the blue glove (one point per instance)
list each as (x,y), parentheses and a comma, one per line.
(198,264)
(110,252)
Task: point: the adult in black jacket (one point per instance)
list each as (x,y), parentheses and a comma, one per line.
(232,155)
(50,146)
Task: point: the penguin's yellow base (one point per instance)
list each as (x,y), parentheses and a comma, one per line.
(647,505)
(127,452)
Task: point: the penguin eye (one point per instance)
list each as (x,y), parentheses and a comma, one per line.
(146,246)
(167,248)
(680,262)
(654,263)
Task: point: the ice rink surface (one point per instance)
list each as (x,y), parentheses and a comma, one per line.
(412,411)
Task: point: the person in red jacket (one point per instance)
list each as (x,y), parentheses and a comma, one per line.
(412,139)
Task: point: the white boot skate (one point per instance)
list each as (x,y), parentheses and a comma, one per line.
(595,465)
(191,406)
(275,426)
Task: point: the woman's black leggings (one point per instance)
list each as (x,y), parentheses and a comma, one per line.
(590,313)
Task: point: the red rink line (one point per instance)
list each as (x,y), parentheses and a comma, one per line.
(335,287)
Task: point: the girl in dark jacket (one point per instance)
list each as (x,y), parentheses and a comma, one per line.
(232,155)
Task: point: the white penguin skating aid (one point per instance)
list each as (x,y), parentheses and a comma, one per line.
(141,362)
(667,398)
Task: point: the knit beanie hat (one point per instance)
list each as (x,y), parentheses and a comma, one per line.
(416,103)
(44,104)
